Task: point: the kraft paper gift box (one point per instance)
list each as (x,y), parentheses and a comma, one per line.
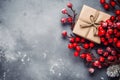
(88,22)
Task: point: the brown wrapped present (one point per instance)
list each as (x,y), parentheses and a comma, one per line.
(88,22)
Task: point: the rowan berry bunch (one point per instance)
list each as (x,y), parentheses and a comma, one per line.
(111,5)
(70,18)
(109,32)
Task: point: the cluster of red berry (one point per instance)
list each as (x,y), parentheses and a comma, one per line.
(112,4)
(71,18)
(109,32)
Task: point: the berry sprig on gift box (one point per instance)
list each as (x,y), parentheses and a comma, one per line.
(109,32)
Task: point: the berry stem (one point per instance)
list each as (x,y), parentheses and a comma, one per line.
(74,17)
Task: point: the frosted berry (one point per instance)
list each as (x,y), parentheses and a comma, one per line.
(104,24)
(69,5)
(105,54)
(63,20)
(100,51)
(96,63)
(110,58)
(91,70)
(113,52)
(64,33)
(64,11)
(118,25)
(72,40)
(109,49)
(89,59)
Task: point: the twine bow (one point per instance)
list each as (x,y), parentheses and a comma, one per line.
(92,23)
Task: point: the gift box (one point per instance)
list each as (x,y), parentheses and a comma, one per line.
(88,22)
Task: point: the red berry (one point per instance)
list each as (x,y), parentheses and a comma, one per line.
(118,44)
(86,46)
(64,11)
(83,55)
(69,5)
(101,59)
(72,40)
(113,3)
(89,59)
(118,17)
(100,28)
(112,18)
(91,44)
(70,46)
(63,20)
(108,21)
(117,12)
(115,31)
(118,25)
(110,40)
(77,39)
(104,24)
(96,63)
(106,6)
(91,70)
(70,19)
(117,34)
(76,54)
(78,48)
(110,58)
(101,32)
(115,39)
(109,49)
(110,31)
(74,45)
(105,54)
(102,39)
(106,43)
(102,1)
(100,51)
(113,52)
(107,35)
(64,33)
(82,40)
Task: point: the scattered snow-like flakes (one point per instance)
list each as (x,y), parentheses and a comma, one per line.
(57,67)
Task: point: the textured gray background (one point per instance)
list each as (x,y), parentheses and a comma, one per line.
(31,47)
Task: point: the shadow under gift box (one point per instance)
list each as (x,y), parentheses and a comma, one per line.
(88,22)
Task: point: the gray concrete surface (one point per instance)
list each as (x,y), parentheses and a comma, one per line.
(31,47)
